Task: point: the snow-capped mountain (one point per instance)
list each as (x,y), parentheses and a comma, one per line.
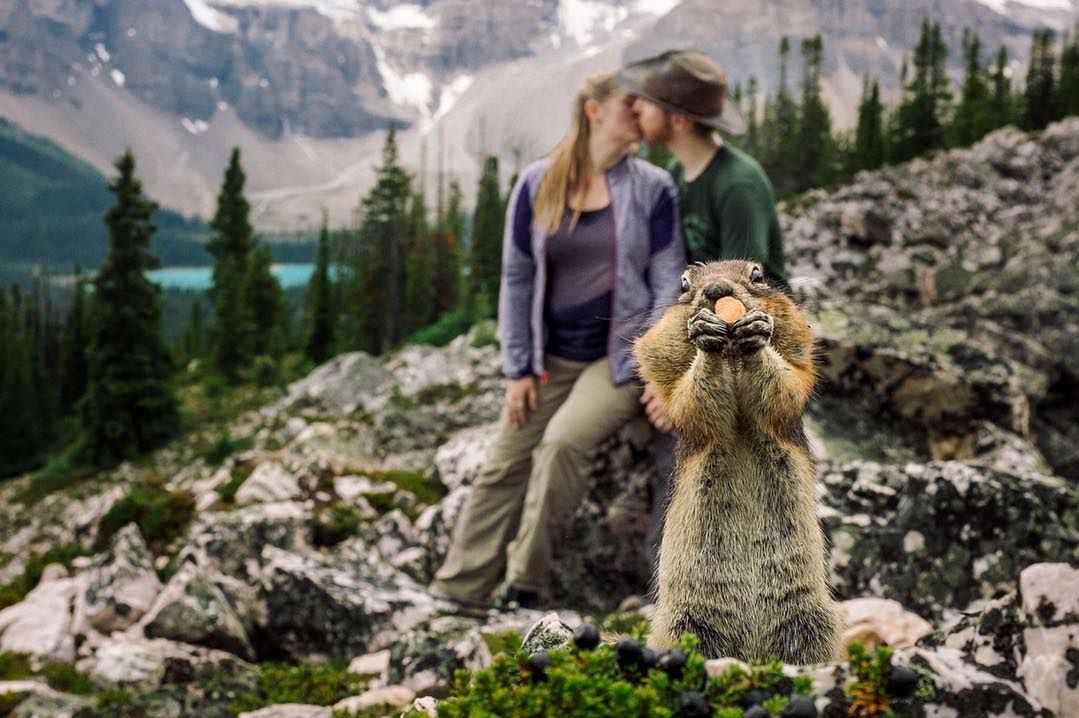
(306,87)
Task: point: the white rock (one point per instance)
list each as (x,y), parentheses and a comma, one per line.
(386,696)
(40,625)
(1051,588)
(372,664)
(270,482)
(881,620)
(427,705)
(290,710)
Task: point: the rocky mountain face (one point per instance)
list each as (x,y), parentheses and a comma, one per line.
(945,429)
(305,86)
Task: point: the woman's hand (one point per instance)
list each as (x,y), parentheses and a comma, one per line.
(520,398)
(656,411)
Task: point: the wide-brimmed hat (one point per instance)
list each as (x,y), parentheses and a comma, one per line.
(687,82)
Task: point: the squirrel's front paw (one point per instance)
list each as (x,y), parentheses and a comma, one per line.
(752,332)
(707,331)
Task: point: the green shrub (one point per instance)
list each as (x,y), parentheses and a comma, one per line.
(342,522)
(14,667)
(311,683)
(58,474)
(449,326)
(222,448)
(160,514)
(596,683)
(266,372)
(60,676)
(8,702)
(868,693)
(486,335)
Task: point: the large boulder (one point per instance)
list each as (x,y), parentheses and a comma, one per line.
(41,625)
(937,537)
(121,583)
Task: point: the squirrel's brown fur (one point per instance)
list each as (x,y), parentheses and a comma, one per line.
(742,561)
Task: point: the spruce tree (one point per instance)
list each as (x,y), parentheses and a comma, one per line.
(972,115)
(752,138)
(485,255)
(319,344)
(129,406)
(193,343)
(869,150)
(1001,110)
(377,286)
(815,150)
(1067,89)
(1039,96)
(265,300)
(920,116)
(421,295)
(22,431)
(73,349)
(448,237)
(233,328)
(781,131)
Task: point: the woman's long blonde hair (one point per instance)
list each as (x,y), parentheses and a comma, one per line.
(569,160)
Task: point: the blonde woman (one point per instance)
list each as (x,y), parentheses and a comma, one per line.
(593,244)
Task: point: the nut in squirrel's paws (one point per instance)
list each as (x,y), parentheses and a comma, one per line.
(752,332)
(729,309)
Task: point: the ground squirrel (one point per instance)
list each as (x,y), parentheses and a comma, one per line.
(742,561)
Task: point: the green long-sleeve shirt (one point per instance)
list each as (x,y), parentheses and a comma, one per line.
(729,212)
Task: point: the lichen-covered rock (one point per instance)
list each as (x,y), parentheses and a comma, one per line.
(289,710)
(426,659)
(547,634)
(121,583)
(321,606)
(192,609)
(939,536)
(148,664)
(269,482)
(41,625)
(386,697)
(232,542)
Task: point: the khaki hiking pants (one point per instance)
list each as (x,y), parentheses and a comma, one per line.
(534,479)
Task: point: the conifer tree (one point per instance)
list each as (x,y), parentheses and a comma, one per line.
(972,115)
(752,139)
(448,237)
(781,130)
(920,116)
(233,328)
(193,343)
(377,286)
(129,406)
(1001,109)
(1040,96)
(1067,102)
(421,295)
(815,153)
(73,349)
(319,345)
(265,301)
(869,150)
(485,256)
(22,431)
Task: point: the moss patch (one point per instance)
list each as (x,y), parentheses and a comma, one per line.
(160,514)
(59,676)
(310,683)
(339,523)
(240,474)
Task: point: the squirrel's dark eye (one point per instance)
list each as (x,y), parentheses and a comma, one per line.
(685,283)
(756,275)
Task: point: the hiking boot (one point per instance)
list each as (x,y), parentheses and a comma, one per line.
(510,598)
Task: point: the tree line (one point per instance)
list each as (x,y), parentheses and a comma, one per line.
(100,379)
(791,131)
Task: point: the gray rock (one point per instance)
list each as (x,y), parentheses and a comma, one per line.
(121,583)
(547,634)
(290,710)
(270,482)
(425,659)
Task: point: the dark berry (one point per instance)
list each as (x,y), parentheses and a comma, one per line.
(539,662)
(902,681)
(693,705)
(756,712)
(672,662)
(649,658)
(629,652)
(800,707)
(586,636)
(754,697)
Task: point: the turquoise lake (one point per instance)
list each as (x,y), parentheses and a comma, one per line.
(198,278)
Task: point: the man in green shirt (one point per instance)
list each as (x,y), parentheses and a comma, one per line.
(727,203)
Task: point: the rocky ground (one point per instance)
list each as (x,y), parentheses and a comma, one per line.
(943,293)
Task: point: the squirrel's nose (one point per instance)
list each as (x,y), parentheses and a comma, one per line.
(715,290)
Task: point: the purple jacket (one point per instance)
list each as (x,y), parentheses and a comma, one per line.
(649,261)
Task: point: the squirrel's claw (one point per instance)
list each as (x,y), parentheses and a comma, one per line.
(707,331)
(752,332)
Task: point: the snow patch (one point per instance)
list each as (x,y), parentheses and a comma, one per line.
(412,89)
(118,77)
(101,52)
(131,32)
(211,18)
(214,82)
(195,127)
(451,93)
(581,19)
(1001,6)
(656,7)
(401,17)
(882,43)
(333,9)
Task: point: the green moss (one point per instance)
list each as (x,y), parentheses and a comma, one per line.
(14,667)
(225,446)
(427,489)
(238,476)
(310,683)
(8,702)
(15,591)
(61,473)
(114,699)
(60,676)
(624,623)
(160,514)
